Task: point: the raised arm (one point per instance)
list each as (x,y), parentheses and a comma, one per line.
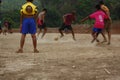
(84,19)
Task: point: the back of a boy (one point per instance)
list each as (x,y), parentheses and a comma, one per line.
(99,17)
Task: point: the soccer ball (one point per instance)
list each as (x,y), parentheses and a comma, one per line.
(56,39)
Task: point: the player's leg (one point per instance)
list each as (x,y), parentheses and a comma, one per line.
(32,31)
(61,29)
(105,39)
(0,29)
(109,31)
(22,41)
(24,31)
(45,30)
(39,31)
(69,27)
(34,43)
(94,34)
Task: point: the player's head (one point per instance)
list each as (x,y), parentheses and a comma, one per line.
(101,2)
(29,9)
(97,7)
(45,10)
(73,12)
(30,0)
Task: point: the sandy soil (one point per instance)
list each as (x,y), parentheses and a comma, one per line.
(64,59)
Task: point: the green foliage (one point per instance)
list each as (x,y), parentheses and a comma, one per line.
(56,9)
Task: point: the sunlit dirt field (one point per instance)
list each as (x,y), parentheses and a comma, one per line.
(64,59)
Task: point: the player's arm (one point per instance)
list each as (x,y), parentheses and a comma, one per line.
(21,19)
(36,14)
(64,18)
(84,19)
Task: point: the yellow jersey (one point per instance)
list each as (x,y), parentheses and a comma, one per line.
(24,9)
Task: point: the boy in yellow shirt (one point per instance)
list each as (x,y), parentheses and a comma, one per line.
(108,22)
(28,24)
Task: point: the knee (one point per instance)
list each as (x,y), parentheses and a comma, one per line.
(33,37)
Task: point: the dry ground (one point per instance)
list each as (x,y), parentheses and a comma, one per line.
(64,59)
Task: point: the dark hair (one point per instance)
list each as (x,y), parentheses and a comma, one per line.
(73,12)
(101,2)
(97,7)
(30,0)
(44,9)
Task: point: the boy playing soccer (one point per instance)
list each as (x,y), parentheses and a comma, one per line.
(99,17)
(67,21)
(41,22)
(28,24)
(108,22)
(0,28)
(5,27)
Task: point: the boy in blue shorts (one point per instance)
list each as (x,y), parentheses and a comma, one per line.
(99,17)
(28,24)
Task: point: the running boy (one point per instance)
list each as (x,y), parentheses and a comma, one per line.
(108,22)
(0,27)
(67,21)
(28,24)
(5,27)
(99,17)
(41,22)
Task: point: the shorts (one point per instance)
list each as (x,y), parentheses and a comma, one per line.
(28,26)
(5,28)
(98,30)
(9,27)
(43,26)
(0,28)
(108,25)
(63,27)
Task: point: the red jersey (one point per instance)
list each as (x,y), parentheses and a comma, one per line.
(69,18)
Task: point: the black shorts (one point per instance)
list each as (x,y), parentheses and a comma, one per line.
(9,27)
(43,26)
(63,27)
(0,28)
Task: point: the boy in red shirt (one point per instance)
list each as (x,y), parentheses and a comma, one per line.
(67,21)
(41,22)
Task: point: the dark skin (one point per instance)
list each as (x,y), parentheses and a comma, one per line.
(71,30)
(45,29)
(94,34)
(23,36)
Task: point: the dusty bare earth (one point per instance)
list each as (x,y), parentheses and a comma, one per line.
(64,59)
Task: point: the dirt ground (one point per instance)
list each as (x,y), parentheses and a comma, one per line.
(64,59)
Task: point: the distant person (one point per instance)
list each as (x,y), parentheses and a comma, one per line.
(10,27)
(108,22)
(28,24)
(0,27)
(5,27)
(67,21)
(99,17)
(41,22)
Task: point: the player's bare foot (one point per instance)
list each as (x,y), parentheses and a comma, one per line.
(74,38)
(92,41)
(97,40)
(108,43)
(36,51)
(61,36)
(19,51)
(104,41)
